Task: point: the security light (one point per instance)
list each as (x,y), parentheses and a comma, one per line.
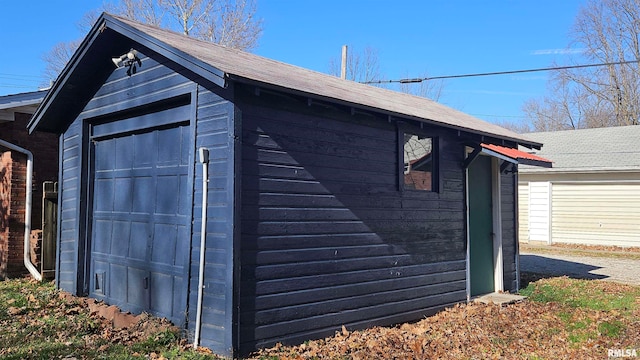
(130,60)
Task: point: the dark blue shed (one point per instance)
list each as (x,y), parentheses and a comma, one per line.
(329,202)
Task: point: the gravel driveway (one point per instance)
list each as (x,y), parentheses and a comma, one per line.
(582,267)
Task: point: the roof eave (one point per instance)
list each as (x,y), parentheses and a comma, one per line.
(21,100)
(43,110)
(193,64)
(44,115)
(500,139)
(578,171)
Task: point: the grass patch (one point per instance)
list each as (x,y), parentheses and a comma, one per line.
(611,329)
(582,294)
(588,309)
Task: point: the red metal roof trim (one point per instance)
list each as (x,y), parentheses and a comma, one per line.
(514,153)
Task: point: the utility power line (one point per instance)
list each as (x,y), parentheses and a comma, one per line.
(418,80)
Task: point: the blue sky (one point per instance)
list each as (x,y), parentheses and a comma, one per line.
(412,37)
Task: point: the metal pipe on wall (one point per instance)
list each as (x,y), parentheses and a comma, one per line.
(204,160)
(28,206)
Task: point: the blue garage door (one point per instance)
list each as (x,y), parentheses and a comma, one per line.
(140,221)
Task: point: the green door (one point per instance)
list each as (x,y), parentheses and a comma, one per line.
(480,227)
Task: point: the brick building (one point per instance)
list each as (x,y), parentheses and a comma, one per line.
(15,112)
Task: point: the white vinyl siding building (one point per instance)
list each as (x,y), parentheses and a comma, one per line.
(590,196)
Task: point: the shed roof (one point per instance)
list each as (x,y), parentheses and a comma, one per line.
(590,150)
(219,64)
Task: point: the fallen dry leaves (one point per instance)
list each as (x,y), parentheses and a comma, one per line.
(525,330)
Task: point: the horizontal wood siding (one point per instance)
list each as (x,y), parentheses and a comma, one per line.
(596,213)
(214,131)
(509,249)
(69,208)
(327,237)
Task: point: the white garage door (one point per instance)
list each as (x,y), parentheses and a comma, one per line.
(523,212)
(596,214)
(539,211)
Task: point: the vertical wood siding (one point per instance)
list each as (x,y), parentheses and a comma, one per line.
(327,237)
(215,131)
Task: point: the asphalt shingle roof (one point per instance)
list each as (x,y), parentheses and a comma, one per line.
(220,65)
(599,149)
(243,65)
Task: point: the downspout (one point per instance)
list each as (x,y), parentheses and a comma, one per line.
(204,160)
(27,213)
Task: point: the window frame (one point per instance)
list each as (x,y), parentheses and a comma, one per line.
(403,129)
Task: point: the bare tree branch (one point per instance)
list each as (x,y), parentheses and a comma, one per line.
(144,11)
(609,30)
(431,89)
(361,66)
(232,23)
(56,59)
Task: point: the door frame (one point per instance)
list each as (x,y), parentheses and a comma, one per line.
(496,209)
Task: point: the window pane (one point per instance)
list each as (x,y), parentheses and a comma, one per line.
(418,162)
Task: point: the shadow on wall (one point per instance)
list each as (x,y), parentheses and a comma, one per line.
(538,267)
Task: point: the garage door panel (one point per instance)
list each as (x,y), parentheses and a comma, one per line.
(140,236)
(103,194)
(184,159)
(183,246)
(140,227)
(143,150)
(162,288)
(120,238)
(184,203)
(123,195)
(117,284)
(123,151)
(137,287)
(164,242)
(167,193)
(538,208)
(169,153)
(102,237)
(143,189)
(104,156)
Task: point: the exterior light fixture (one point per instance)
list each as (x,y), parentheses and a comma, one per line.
(129,60)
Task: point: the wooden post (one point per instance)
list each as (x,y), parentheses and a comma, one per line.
(343,64)
(49,229)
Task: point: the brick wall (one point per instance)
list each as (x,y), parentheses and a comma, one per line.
(5,207)
(44,147)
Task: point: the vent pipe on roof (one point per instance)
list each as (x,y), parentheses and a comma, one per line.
(27,211)
(343,63)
